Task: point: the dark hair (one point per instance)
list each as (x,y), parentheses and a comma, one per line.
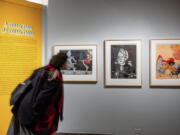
(58,60)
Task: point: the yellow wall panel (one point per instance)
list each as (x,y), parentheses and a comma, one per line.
(20,50)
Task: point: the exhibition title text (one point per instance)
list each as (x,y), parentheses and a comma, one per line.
(17,29)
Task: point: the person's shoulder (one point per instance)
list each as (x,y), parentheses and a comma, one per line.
(40,69)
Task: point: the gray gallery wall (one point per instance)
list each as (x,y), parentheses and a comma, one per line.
(95,109)
(44,36)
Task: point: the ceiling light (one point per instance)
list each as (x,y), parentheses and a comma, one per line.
(42,2)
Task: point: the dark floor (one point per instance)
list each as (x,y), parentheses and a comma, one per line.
(81,134)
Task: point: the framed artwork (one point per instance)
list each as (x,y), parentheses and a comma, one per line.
(165,62)
(81,64)
(123,63)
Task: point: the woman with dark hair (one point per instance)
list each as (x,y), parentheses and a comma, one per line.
(38,111)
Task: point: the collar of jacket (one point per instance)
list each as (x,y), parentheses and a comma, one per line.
(52,69)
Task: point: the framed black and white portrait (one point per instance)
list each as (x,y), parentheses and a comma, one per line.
(81,65)
(123,63)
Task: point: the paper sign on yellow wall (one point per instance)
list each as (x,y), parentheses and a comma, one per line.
(20,50)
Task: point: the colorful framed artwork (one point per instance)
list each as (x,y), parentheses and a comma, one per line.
(165,62)
(81,65)
(123,63)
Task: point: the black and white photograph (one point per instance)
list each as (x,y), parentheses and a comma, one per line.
(81,65)
(122,63)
